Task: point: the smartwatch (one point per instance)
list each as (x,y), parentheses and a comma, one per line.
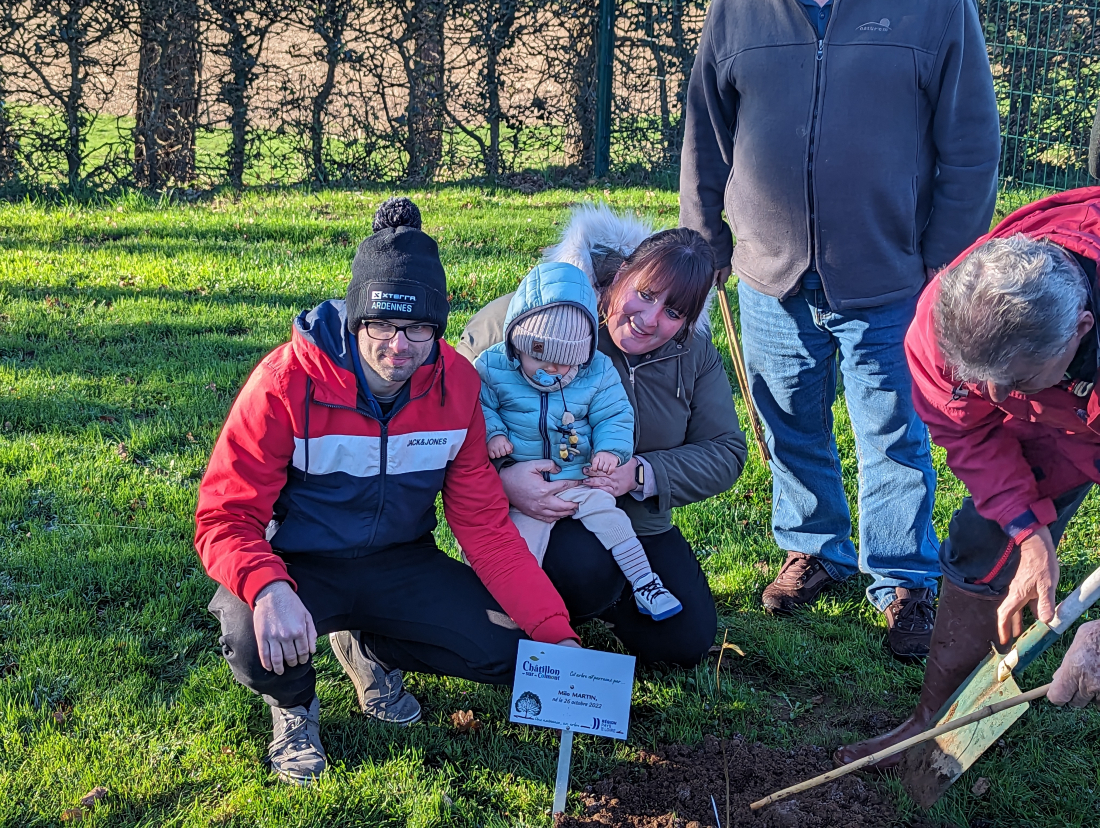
(639,474)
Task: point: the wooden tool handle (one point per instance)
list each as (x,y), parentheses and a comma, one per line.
(982,713)
(742,375)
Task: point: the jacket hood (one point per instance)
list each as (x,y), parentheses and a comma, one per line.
(1070,220)
(324,351)
(552,283)
(597,239)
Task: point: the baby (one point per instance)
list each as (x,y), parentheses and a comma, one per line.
(547,393)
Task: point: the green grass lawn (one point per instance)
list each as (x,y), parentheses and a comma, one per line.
(127,327)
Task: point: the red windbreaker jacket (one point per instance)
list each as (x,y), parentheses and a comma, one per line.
(301,467)
(1015,456)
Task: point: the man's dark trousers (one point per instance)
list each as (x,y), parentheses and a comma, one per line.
(417,609)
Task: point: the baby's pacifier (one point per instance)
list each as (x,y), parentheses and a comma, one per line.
(546,380)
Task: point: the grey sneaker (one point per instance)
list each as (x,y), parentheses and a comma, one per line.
(382,695)
(295,752)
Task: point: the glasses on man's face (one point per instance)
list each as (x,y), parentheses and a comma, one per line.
(385,331)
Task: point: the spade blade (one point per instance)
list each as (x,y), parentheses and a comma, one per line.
(929,769)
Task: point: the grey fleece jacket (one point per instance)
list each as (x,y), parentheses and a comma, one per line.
(685,425)
(867,157)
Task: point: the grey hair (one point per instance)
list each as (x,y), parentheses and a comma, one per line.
(1012,297)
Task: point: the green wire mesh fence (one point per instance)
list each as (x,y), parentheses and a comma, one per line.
(1045,56)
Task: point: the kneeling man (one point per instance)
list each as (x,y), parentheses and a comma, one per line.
(317,510)
(1005,356)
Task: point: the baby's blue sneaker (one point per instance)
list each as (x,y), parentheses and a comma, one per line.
(653,599)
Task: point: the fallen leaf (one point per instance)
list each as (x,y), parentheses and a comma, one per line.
(93,796)
(980,786)
(227,751)
(464,721)
(72,815)
(61,715)
(120,449)
(191,437)
(717,648)
(107,418)
(212,387)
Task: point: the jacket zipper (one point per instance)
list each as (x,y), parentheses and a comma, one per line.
(383,449)
(632,368)
(544,408)
(810,159)
(813,139)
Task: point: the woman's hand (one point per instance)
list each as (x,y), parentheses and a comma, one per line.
(528,492)
(618,482)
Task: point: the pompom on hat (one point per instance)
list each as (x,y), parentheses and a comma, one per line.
(396,273)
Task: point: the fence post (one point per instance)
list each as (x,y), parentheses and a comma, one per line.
(605,58)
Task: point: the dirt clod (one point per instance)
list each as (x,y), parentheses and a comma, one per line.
(673,788)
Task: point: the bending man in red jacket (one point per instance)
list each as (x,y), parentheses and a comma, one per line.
(316,513)
(1005,356)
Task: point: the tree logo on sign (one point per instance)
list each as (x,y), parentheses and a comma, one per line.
(528,704)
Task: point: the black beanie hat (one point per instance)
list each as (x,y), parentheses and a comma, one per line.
(396,273)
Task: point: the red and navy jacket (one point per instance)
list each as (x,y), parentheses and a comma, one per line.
(303,465)
(1017,455)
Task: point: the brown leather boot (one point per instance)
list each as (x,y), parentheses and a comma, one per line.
(966,625)
(799,582)
(910,620)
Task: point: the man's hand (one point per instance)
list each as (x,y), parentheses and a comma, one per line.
(602,464)
(1077,681)
(722,275)
(569,642)
(1033,586)
(285,634)
(499,446)
(527,491)
(618,483)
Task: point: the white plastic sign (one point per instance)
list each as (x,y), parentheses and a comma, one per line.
(568,688)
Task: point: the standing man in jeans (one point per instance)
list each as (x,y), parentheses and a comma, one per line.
(853,145)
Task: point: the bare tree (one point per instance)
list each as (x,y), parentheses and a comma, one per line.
(60,55)
(245,26)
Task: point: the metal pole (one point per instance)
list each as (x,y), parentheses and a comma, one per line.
(605,59)
(561,784)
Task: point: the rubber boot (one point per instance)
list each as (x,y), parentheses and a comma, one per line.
(966,625)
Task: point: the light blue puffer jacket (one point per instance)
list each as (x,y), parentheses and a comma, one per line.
(531,418)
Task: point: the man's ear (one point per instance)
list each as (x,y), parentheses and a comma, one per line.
(1085,323)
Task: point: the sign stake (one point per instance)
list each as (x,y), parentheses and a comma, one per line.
(561,784)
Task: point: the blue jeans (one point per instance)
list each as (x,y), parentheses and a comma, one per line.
(791,353)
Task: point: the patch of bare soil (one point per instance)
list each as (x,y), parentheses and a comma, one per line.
(673,788)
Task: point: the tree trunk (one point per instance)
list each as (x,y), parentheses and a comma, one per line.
(71,29)
(331,28)
(240,68)
(425,114)
(168,92)
(581,142)
(500,32)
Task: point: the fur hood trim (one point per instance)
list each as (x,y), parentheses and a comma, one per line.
(593,231)
(593,228)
